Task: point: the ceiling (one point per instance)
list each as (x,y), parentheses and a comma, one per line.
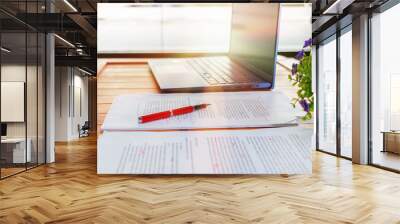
(75,21)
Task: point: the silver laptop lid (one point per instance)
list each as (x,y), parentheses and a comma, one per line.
(254,36)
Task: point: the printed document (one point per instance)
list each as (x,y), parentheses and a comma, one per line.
(260,151)
(227,110)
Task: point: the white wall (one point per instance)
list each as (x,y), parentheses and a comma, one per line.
(61,103)
(13,100)
(70,84)
(80,109)
(14,72)
(33,125)
(17,72)
(82,82)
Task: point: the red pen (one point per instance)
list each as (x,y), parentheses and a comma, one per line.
(171,113)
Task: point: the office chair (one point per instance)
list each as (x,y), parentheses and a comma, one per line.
(84,130)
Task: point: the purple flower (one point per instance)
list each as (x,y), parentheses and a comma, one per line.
(306,106)
(294,68)
(299,55)
(307,43)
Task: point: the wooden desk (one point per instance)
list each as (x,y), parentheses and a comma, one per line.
(391,141)
(115,78)
(13,150)
(124,76)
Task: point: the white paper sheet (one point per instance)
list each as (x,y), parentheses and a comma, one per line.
(260,151)
(227,110)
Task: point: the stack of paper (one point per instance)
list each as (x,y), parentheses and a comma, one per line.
(227,110)
(128,147)
(261,151)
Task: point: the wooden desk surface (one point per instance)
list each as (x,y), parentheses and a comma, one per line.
(126,75)
(13,140)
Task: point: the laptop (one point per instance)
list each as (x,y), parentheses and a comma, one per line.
(249,64)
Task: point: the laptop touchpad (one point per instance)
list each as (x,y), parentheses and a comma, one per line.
(174,69)
(177,75)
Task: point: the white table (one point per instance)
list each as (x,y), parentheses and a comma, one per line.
(18,150)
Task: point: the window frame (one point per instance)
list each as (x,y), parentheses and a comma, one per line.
(27,29)
(378,10)
(333,37)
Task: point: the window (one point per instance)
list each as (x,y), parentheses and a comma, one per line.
(327,96)
(346,93)
(394,116)
(163,28)
(294,26)
(334,94)
(385,89)
(22,78)
(173,27)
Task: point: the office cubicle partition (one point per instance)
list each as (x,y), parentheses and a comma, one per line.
(23,87)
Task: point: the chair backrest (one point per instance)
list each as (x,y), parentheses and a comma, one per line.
(86,125)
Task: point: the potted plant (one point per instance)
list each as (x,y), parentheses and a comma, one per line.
(301,78)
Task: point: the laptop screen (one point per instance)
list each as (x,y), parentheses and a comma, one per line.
(254,36)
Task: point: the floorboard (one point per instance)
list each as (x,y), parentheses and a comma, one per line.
(70,191)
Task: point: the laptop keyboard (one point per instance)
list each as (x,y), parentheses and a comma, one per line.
(220,70)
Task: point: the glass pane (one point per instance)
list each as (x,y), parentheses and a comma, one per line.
(138,28)
(327,96)
(198,21)
(294,26)
(13,87)
(158,27)
(385,84)
(41,98)
(346,93)
(31,98)
(31,88)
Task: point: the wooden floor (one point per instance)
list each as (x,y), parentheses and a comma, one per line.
(10,171)
(386,159)
(70,191)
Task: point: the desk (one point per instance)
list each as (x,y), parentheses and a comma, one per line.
(123,76)
(126,76)
(132,75)
(13,150)
(391,141)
